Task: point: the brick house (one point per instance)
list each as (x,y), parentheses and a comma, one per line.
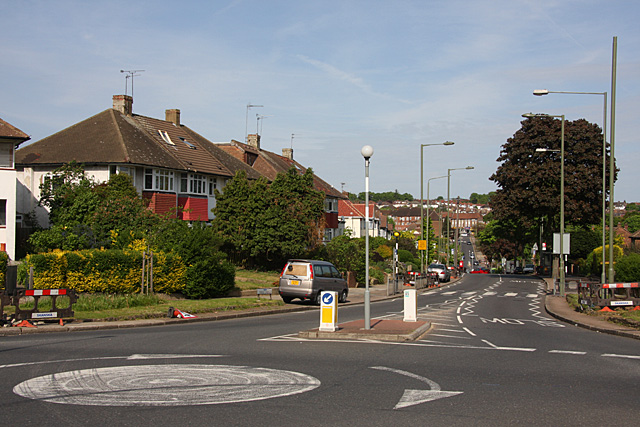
(171,166)
(351,216)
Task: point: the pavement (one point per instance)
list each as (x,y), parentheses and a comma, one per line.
(387,329)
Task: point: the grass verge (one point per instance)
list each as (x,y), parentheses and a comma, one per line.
(620,315)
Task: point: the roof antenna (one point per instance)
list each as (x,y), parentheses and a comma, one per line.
(130,73)
(246,121)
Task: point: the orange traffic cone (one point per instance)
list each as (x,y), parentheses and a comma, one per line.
(26,323)
(61,322)
(606,309)
(637,307)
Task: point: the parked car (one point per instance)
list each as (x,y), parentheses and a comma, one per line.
(528,269)
(443,272)
(480,270)
(306,279)
(518,270)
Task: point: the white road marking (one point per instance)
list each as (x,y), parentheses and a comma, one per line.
(449,336)
(623,356)
(165,385)
(533,295)
(577,353)
(459,319)
(415,397)
(469,332)
(454,292)
(131,357)
(487,294)
(508,348)
(511,294)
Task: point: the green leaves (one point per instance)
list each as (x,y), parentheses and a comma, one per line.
(264,224)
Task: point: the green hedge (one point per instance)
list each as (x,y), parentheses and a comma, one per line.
(104,271)
(4,260)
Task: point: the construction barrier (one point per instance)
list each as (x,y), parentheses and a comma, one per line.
(13,298)
(609,294)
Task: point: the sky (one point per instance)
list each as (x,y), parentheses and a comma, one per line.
(333,76)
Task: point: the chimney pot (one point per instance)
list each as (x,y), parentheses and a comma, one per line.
(123,104)
(173,116)
(288,153)
(253,140)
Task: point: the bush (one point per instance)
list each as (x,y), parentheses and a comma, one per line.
(206,279)
(4,260)
(628,268)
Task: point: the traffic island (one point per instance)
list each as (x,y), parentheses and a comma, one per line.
(393,330)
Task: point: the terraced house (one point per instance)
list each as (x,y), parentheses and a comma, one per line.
(172,166)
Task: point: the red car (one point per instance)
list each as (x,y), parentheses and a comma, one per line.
(480,271)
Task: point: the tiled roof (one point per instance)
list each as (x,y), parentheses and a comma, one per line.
(113,137)
(270,165)
(11,132)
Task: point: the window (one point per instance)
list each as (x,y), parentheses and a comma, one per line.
(165,136)
(6,156)
(196,184)
(187,143)
(158,179)
(213,184)
(3,213)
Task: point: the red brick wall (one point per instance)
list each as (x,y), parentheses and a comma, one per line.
(195,208)
(161,203)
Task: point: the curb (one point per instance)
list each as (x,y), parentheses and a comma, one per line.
(604,328)
(373,336)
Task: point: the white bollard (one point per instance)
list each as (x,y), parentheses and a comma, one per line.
(410,306)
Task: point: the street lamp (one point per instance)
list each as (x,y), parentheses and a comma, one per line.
(395,267)
(541,92)
(367,152)
(448,203)
(530,115)
(422,198)
(428,203)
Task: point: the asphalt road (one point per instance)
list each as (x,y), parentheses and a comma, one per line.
(493,357)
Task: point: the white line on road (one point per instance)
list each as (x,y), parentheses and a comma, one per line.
(508,348)
(469,332)
(459,319)
(578,353)
(622,356)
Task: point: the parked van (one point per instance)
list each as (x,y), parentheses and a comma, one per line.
(306,279)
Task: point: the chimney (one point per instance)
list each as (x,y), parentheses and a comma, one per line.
(123,104)
(288,153)
(172,116)
(253,139)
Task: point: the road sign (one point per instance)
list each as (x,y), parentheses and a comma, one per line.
(422,245)
(410,306)
(329,311)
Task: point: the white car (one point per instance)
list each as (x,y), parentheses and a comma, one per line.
(443,273)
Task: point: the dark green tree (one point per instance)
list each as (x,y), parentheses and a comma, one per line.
(263,224)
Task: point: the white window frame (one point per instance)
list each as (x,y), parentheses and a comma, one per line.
(165,137)
(161,180)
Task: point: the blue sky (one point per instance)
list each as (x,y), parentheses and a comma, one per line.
(336,74)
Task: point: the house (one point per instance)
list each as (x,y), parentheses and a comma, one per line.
(172,166)
(352,216)
(271,164)
(10,138)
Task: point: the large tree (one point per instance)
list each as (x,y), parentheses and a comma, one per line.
(263,224)
(529,181)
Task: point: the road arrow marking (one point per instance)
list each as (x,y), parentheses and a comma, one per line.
(415,397)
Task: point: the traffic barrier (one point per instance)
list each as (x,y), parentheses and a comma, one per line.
(13,299)
(609,294)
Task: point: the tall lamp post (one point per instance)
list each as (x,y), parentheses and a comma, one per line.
(367,152)
(428,203)
(448,203)
(541,92)
(530,115)
(421,196)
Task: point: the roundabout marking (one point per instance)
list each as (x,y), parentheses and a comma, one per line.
(165,385)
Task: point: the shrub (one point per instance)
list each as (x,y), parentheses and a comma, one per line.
(4,260)
(628,268)
(207,279)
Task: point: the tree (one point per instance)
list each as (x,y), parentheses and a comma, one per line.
(264,224)
(529,181)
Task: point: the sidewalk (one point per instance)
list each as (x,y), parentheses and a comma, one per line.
(559,308)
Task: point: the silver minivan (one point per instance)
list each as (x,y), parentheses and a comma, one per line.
(306,279)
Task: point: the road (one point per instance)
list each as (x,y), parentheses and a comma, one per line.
(493,357)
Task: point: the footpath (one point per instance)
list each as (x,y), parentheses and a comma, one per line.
(387,329)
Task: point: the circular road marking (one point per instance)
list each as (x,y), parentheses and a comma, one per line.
(165,385)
